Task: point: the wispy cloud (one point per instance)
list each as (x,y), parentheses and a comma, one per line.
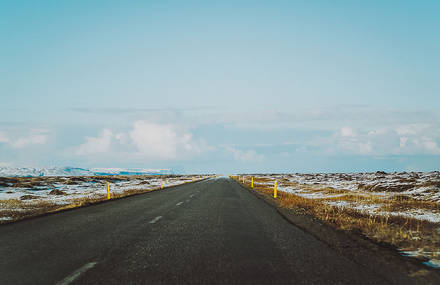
(97,145)
(324,119)
(33,137)
(248,156)
(131,110)
(412,139)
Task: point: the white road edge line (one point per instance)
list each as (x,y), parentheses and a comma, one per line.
(72,277)
(153,221)
(180,203)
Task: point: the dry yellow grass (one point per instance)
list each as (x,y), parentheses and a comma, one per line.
(18,209)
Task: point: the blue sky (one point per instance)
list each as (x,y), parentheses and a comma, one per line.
(221,86)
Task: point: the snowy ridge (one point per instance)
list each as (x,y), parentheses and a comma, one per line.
(8,171)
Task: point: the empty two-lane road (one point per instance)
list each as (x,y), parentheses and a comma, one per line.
(209,232)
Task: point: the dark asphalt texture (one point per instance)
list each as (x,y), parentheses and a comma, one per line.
(210,232)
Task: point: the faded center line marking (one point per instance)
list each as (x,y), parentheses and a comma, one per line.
(153,221)
(72,277)
(180,203)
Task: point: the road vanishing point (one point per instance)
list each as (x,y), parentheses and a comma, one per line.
(208,232)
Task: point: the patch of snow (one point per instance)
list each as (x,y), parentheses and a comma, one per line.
(435,263)
(371,209)
(418,214)
(9,171)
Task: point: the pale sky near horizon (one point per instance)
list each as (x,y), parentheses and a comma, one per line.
(221,86)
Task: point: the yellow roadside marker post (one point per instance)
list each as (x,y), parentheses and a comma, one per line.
(161,184)
(243,179)
(252,182)
(108,190)
(275,190)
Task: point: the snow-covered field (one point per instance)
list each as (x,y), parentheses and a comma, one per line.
(421,186)
(21,196)
(10,171)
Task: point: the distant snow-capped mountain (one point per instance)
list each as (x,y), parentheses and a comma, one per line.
(8,171)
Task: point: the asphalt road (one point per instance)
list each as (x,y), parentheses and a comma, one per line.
(209,232)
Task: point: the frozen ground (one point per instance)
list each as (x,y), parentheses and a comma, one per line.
(24,194)
(9,171)
(421,186)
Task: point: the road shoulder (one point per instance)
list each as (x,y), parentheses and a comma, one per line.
(380,258)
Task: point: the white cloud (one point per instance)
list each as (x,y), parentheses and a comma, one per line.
(96,145)
(122,138)
(347,140)
(347,132)
(245,156)
(162,141)
(409,139)
(28,141)
(408,129)
(353,145)
(429,145)
(418,139)
(35,137)
(145,140)
(365,148)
